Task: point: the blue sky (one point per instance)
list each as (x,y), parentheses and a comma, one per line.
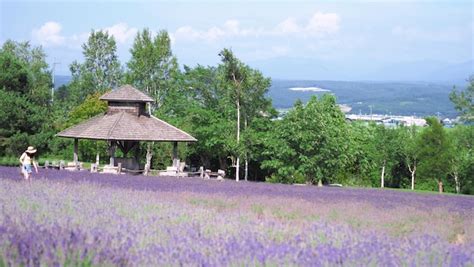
(338,40)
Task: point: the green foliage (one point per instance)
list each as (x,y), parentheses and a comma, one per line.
(101,70)
(464,101)
(310,140)
(91,107)
(434,151)
(462,158)
(24,98)
(152,67)
(362,166)
(14,75)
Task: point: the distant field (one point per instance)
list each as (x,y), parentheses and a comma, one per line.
(78,218)
(398,98)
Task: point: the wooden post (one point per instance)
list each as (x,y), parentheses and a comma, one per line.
(119,168)
(112,153)
(175,155)
(149,155)
(76,149)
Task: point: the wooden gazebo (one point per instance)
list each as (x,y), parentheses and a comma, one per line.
(126,123)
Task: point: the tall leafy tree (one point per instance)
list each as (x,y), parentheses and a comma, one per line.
(235,74)
(462,157)
(247,88)
(362,165)
(24,98)
(310,141)
(100,71)
(434,153)
(153,68)
(255,105)
(410,150)
(207,112)
(464,101)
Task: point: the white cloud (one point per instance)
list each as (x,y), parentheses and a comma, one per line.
(49,34)
(287,26)
(230,29)
(323,23)
(121,32)
(318,25)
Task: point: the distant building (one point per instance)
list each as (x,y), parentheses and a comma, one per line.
(389,121)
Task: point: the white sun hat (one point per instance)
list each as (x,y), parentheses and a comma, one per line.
(31,150)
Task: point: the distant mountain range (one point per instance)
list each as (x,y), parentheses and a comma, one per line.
(60,80)
(400,98)
(311,69)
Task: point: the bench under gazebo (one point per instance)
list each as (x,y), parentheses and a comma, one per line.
(127,122)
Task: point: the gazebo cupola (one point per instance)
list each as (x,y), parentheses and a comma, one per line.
(126,123)
(127,99)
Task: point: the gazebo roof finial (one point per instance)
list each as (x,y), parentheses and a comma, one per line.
(126,93)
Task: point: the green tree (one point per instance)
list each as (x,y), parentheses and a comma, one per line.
(464,101)
(24,98)
(235,74)
(462,158)
(255,106)
(409,150)
(434,154)
(91,107)
(101,69)
(362,165)
(206,111)
(153,68)
(310,141)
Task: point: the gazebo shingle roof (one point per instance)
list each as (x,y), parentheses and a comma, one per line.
(126,126)
(126,93)
(119,124)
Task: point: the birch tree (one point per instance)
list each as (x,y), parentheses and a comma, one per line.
(410,150)
(235,74)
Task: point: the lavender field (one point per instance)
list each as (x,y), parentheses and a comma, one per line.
(77,218)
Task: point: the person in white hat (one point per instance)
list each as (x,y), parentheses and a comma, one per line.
(27,160)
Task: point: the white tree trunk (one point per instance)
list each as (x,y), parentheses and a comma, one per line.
(246,169)
(237,164)
(246,159)
(456,181)
(382,177)
(412,172)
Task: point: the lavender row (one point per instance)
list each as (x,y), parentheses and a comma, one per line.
(47,222)
(386,199)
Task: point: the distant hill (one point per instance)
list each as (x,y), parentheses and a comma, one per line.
(60,80)
(426,71)
(400,98)
(312,69)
